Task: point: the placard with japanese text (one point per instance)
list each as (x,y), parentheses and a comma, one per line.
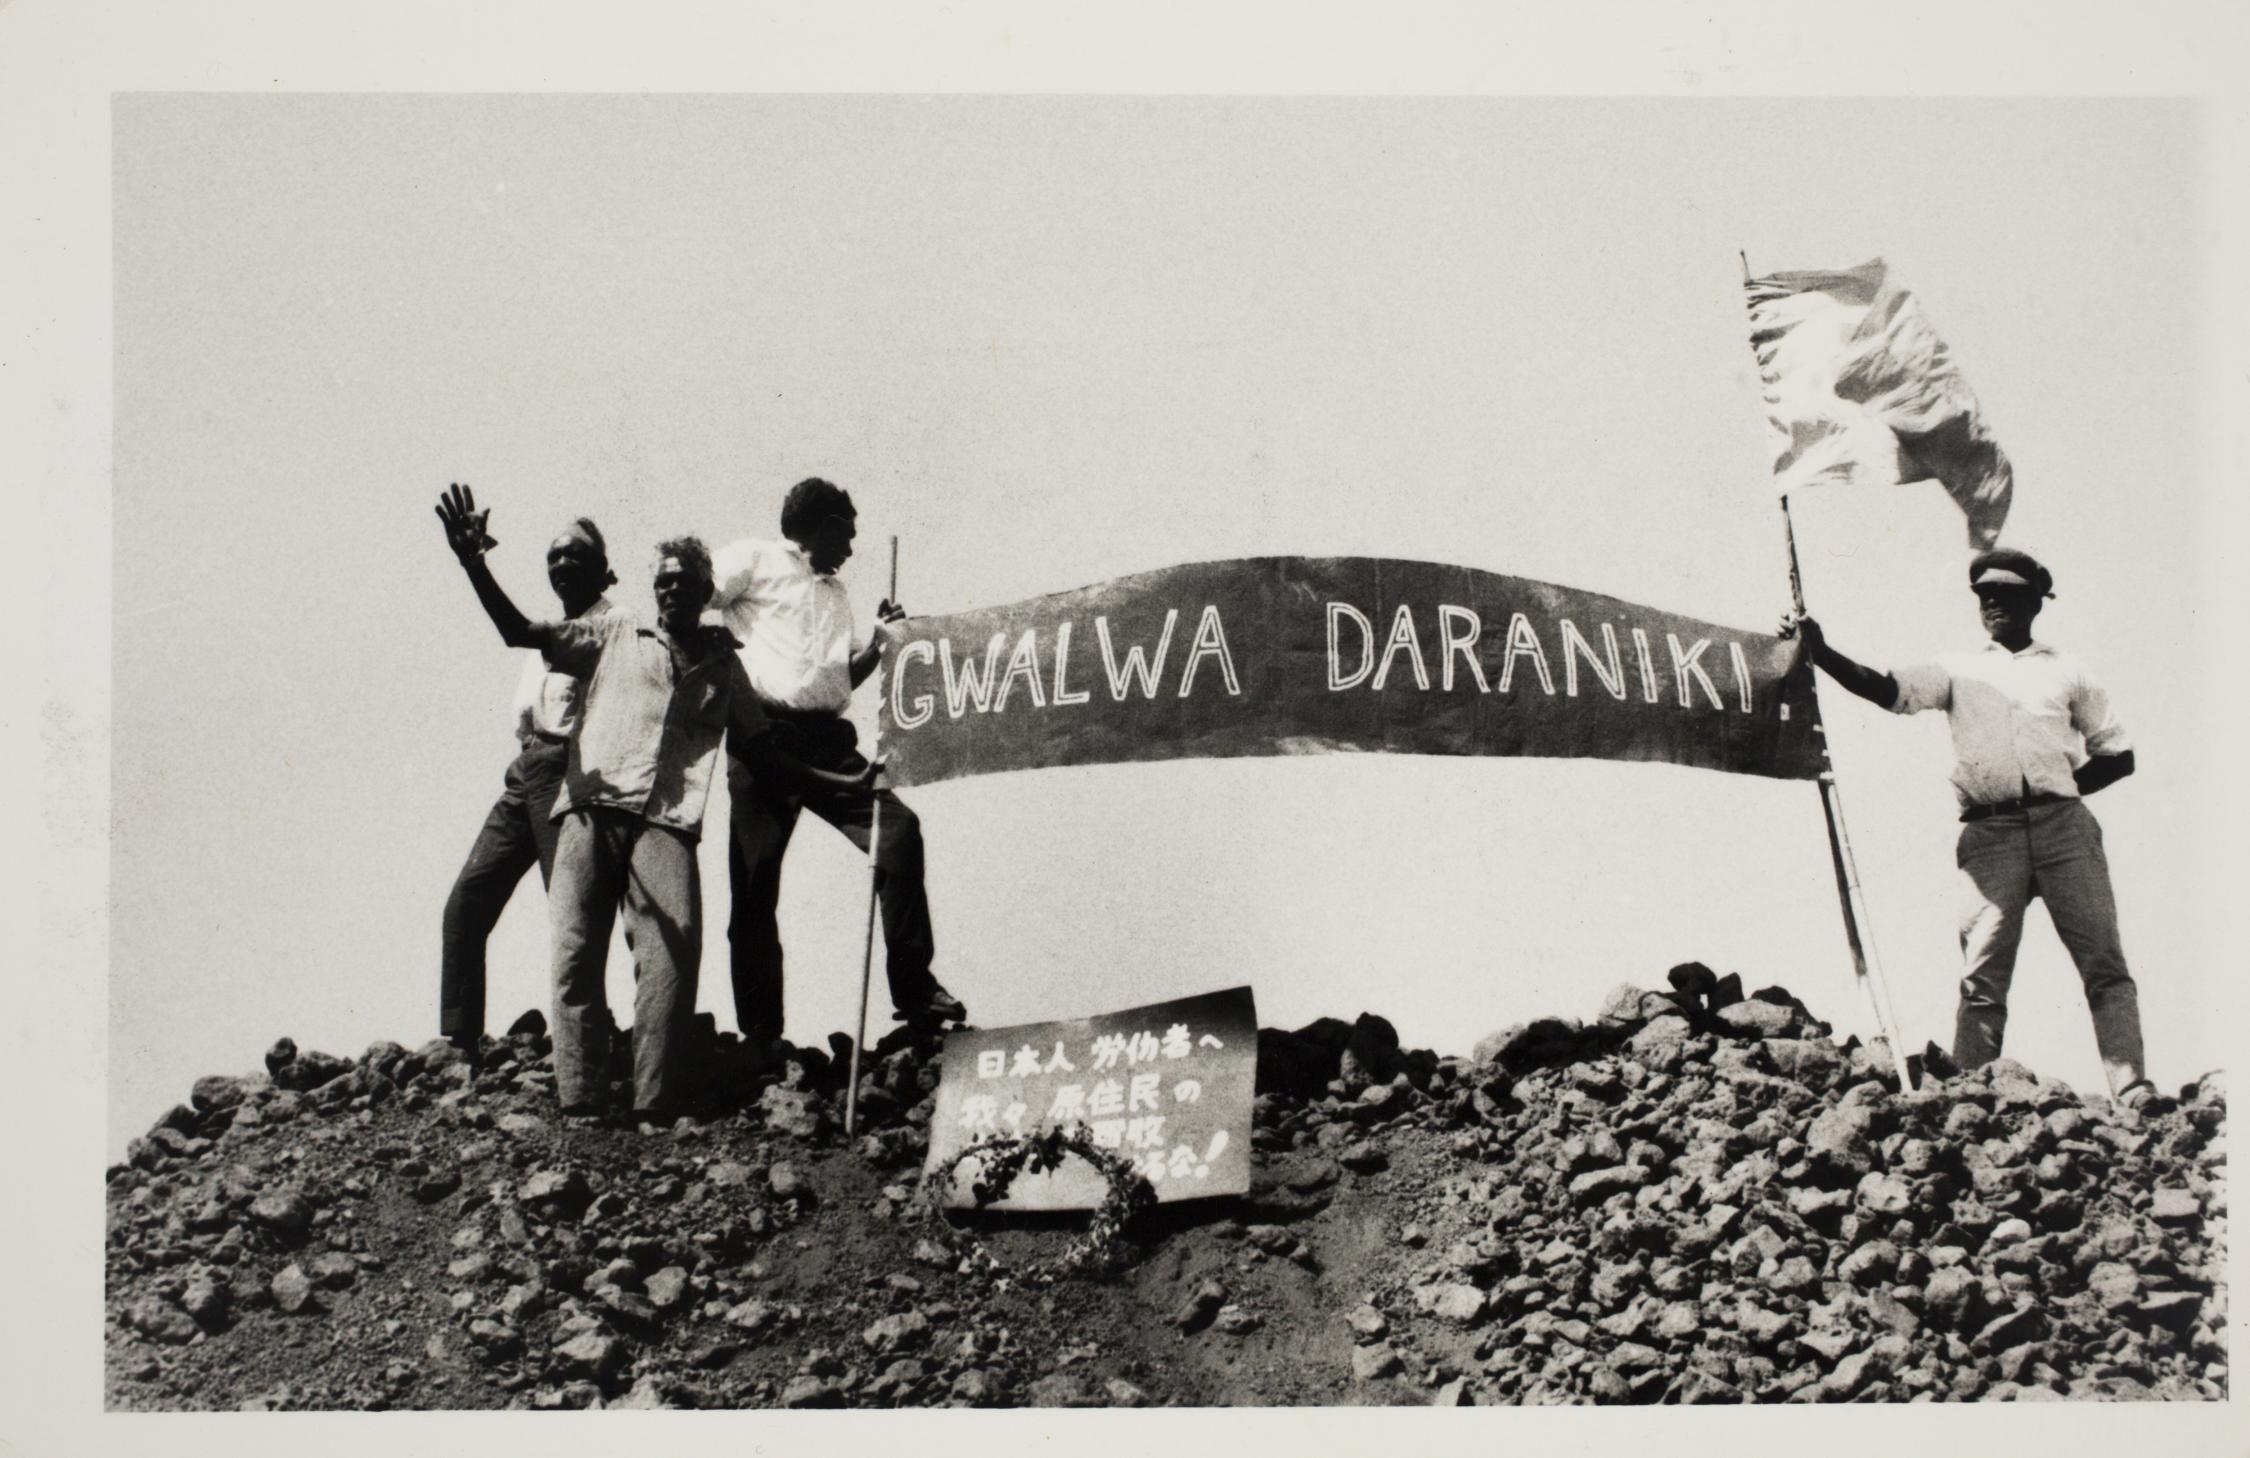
(1166,1087)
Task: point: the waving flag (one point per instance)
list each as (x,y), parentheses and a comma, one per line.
(1859,388)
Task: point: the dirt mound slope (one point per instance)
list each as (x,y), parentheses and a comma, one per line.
(1692,1197)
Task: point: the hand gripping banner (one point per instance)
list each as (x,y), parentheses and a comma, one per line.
(1316,655)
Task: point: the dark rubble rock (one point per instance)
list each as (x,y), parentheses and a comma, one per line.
(796,1112)
(1628,1007)
(292,1290)
(308,1071)
(285,1212)
(564,1193)
(161,1321)
(1370,1054)
(333,1269)
(1294,1064)
(1543,1042)
(1372,1363)
(1757,1018)
(903,1332)
(1201,1305)
(208,1300)
(217,1092)
(1838,1141)
(593,1356)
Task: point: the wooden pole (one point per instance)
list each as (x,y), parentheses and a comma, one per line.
(867,955)
(1866,969)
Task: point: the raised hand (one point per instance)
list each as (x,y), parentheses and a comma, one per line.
(887,611)
(464,525)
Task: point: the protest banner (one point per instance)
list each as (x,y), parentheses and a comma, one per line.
(1167,1087)
(1312,655)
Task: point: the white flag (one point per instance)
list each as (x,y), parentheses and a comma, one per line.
(1859,388)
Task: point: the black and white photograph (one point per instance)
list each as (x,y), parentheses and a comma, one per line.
(892,723)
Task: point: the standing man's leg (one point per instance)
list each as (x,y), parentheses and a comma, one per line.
(2071,873)
(504,849)
(909,944)
(758,831)
(590,875)
(1994,856)
(664,911)
(543,768)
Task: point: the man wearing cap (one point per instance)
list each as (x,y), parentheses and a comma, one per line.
(519,831)
(2033,735)
(794,619)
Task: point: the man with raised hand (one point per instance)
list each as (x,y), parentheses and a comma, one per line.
(794,620)
(657,702)
(2033,735)
(519,831)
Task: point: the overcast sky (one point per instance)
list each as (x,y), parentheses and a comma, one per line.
(1048,342)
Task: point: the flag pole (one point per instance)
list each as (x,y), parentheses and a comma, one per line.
(867,955)
(1850,898)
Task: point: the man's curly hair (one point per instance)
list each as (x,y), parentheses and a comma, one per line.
(692,553)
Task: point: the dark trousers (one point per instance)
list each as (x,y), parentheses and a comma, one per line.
(517,835)
(765,816)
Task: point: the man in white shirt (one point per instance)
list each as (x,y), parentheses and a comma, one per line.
(794,620)
(2033,735)
(518,832)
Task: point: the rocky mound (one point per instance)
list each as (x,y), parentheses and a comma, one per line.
(1694,1197)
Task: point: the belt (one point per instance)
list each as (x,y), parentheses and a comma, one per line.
(2012,807)
(798,716)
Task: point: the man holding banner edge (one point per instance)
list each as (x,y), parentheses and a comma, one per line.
(2033,735)
(783,602)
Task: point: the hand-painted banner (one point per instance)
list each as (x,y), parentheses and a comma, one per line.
(1313,655)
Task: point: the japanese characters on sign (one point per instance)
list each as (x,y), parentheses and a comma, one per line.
(1166,1087)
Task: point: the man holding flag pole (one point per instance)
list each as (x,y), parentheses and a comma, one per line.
(1859,388)
(782,600)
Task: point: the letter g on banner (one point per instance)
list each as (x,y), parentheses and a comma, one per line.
(923,703)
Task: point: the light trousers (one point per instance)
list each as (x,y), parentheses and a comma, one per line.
(605,858)
(2051,852)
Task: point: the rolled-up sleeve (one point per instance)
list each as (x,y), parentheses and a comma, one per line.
(1922,686)
(2092,716)
(571,646)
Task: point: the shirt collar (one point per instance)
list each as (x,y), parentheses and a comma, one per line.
(593,609)
(710,640)
(2033,649)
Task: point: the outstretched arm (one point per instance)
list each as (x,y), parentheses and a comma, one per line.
(1871,684)
(465,534)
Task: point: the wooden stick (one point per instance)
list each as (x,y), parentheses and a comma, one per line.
(867,956)
(1850,898)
